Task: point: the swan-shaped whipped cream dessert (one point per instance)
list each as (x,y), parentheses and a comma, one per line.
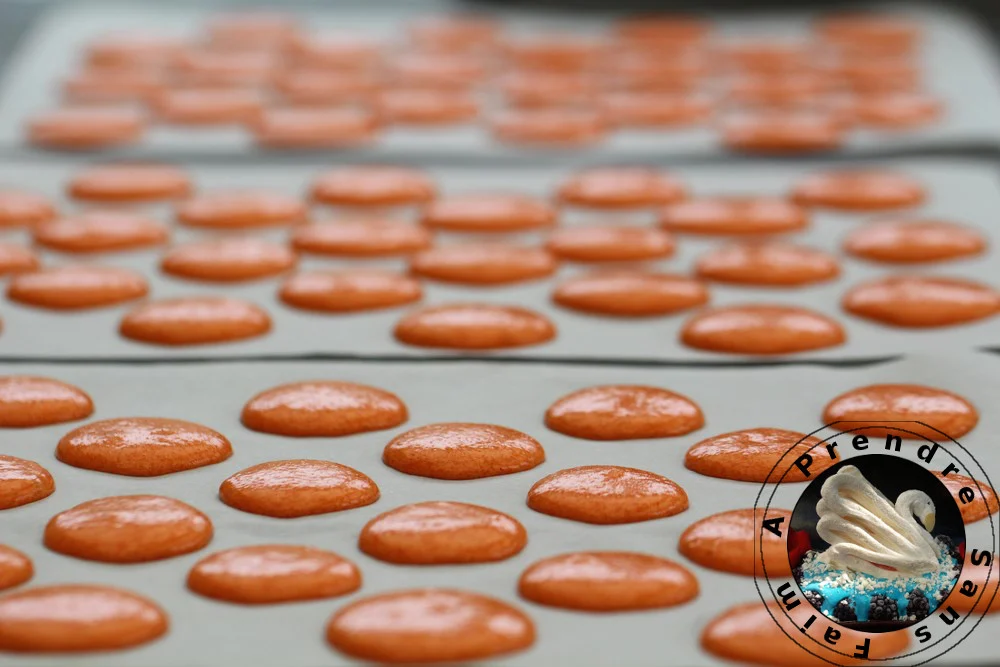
(867,533)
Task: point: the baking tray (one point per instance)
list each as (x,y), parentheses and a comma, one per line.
(964,191)
(206,633)
(958,60)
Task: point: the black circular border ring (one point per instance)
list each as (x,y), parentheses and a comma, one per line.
(982,478)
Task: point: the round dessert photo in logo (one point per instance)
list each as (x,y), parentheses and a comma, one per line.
(876,543)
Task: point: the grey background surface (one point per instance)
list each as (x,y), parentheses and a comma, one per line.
(207,633)
(966,192)
(958,60)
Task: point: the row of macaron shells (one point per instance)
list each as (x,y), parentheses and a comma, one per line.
(216,82)
(406,534)
(759,131)
(621,293)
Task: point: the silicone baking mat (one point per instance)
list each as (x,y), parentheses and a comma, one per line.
(966,192)
(958,61)
(206,633)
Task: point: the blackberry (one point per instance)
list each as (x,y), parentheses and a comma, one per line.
(813,598)
(844,611)
(883,608)
(797,573)
(917,604)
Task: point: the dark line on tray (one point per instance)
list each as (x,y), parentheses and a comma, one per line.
(509,157)
(446,358)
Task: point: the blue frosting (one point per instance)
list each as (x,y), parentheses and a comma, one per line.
(837,585)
